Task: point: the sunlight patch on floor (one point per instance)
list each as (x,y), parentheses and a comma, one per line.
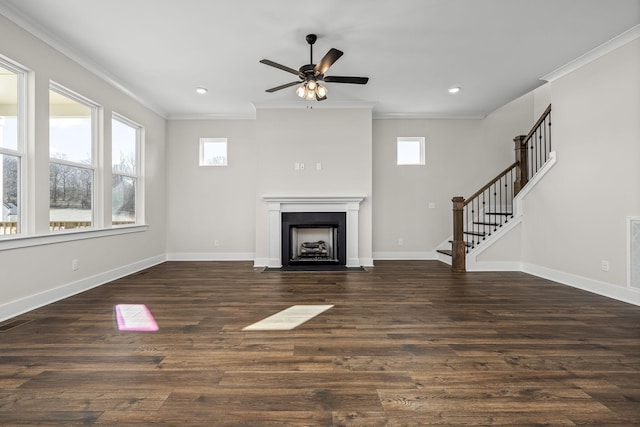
(289,318)
(135,317)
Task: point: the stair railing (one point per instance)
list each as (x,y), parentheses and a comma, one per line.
(532,149)
(489,208)
(479,216)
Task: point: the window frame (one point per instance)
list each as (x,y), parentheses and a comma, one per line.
(420,140)
(96,183)
(20,151)
(137,176)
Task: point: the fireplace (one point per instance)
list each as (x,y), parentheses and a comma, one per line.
(314,239)
(344,205)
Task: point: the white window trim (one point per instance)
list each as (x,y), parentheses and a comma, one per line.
(139,165)
(97,219)
(21,151)
(421,141)
(16,241)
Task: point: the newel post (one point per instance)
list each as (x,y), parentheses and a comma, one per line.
(522,173)
(458,256)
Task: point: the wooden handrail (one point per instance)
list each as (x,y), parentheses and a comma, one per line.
(490,183)
(538,123)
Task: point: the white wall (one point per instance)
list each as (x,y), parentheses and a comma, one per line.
(576,217)
(206,204)
(338,139)
(209,204)
(35,275)
(357,157)
(461,156)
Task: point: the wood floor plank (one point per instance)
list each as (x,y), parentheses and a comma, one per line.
(407,343)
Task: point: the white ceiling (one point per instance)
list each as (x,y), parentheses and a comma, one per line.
(412,50)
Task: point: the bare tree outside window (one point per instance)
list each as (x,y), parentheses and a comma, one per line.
(72,168)
(125,147)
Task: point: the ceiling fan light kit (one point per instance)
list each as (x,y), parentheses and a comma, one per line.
(312,74)
(312,90)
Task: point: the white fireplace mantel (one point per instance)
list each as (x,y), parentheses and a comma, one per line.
(278,204)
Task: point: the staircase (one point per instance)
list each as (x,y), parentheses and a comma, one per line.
(490,208)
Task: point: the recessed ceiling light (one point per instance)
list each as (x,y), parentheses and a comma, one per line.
(454,89)
(202,90)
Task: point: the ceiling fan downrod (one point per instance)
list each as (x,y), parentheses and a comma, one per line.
(311,39)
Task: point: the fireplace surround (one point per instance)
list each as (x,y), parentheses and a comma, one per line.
(349,205)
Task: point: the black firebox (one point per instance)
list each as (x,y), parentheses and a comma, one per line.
(314,240)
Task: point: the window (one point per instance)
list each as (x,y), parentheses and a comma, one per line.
(72,169)
(12,155)
(411,150)
(213,151)
(125,152)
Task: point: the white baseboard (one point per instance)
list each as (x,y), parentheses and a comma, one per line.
(405,256)
(31,302)
(210,256)
(261,262)
(620,293)
(366,262)
(494,266)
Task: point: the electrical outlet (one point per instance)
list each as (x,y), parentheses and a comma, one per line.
(605,265)
(216,242)
(318,166)
(74,264)
(400,241)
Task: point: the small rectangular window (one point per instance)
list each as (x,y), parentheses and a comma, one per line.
(213,151)
(125,149)
(410,150)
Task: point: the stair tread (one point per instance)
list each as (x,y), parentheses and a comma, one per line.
(467,244)
(494,224)
(499,213)
(475,233)
(445,251)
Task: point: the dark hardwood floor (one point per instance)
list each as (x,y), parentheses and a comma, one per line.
(407,344)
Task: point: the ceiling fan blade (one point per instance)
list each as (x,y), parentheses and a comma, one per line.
(284,86)
(327,61)
(280,66)
(343,79)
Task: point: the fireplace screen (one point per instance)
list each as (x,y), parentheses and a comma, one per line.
(313,239)
(313,243)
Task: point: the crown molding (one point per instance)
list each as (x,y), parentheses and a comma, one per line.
(595,53)
(38,31)
(425,116)
(314,105)
(212,116)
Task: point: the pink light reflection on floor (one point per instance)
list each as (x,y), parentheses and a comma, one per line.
(135,317)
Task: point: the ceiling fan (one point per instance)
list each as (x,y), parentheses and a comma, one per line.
(312,74)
